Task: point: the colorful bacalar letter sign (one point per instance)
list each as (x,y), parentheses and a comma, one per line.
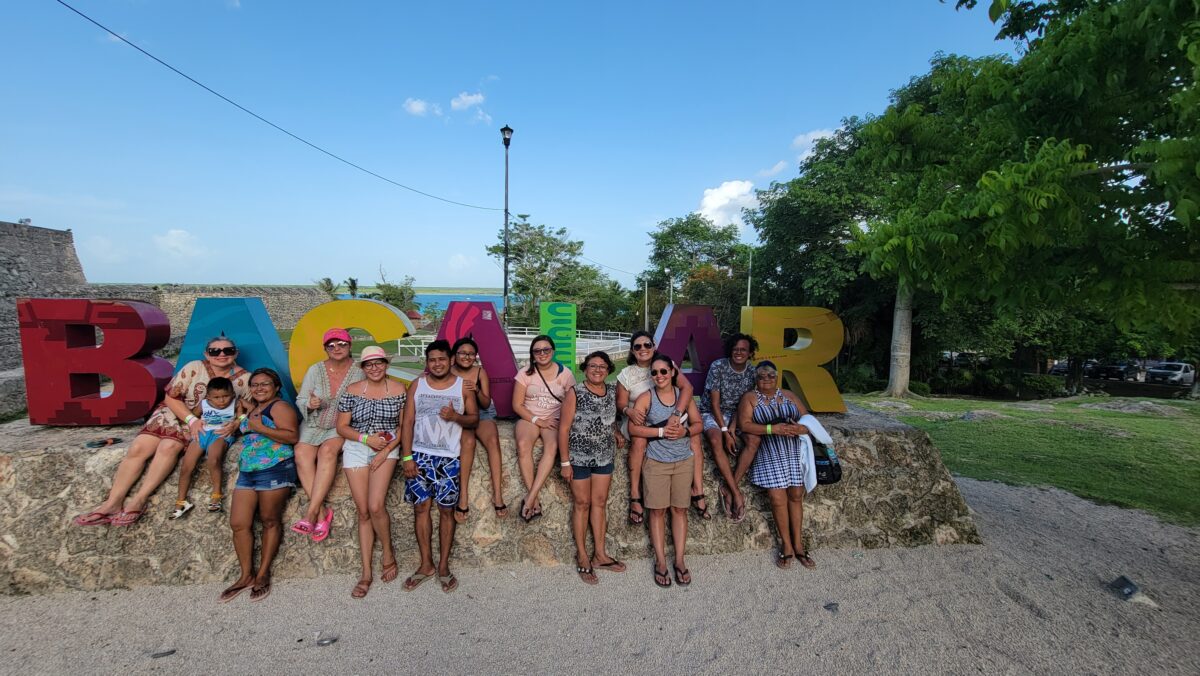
(64,358)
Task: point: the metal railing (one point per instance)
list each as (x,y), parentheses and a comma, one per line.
(615,343)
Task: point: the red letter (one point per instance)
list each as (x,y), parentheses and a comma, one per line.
(63,363)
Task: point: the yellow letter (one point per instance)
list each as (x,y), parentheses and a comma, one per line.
(383,321)
(819,339)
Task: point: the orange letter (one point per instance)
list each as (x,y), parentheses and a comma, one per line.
(383,321)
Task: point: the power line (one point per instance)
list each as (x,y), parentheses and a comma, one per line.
(260,118)
(595,262)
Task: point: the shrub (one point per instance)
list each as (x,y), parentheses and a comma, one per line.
(859,378)
(918,387)
(1042,387)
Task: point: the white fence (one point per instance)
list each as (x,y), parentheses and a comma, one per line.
(615,343)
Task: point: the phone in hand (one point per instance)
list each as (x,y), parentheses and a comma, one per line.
(387,436)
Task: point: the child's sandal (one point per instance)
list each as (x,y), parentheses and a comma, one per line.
(214,502)
(181,507)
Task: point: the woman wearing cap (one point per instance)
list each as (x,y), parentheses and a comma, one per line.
(319,445)
(369,421)
(167,431)
(668,468)
(266,477)
(783,463)
(632,382)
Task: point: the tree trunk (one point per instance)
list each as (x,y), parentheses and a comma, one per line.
(901,344)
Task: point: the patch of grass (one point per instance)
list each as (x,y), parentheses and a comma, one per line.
(1128,459)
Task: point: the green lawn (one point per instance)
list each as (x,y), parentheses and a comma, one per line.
(1137,460)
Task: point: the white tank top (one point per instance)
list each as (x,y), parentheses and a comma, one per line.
(213,418)
(431,434)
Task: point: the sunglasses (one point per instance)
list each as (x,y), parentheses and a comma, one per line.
(543,350)
(766,376)
(643,346)
(465,354)
(660,372)
(218,351)
(336,343)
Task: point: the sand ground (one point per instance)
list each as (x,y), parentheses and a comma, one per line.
(1033,599)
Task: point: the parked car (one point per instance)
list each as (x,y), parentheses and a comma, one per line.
(1172,373)
(1122,370)
(1089,368)
(1062,368)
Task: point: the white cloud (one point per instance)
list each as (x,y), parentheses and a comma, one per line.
(418,107)
(459,262)
(483,117)
(464,101)
(180,244)
(113,38)
(723,205)
(775,169)
(233,4)
(804,142)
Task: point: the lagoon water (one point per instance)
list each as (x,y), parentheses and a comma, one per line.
(442,300)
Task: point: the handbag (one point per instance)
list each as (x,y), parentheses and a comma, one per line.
(829,468)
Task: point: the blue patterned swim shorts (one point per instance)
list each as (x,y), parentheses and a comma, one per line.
(437,478)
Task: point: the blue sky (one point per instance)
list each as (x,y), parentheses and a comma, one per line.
(625,114)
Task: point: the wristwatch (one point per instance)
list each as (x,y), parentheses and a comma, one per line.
(725,429)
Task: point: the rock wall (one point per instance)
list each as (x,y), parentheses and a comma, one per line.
(33,261)
(895,493)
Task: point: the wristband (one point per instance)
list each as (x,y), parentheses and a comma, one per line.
(769,429)
(362,438)
(188,420)
(660,432)
(564,464)
(533,420)
(406,458)
(725,429)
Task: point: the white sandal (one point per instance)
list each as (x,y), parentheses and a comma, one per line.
(181,509)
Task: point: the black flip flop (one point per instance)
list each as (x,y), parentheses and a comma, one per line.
(664,575)
(679,576)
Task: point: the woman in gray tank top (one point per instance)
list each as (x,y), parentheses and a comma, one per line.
(667,473)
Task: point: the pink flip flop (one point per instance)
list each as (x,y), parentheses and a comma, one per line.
(321,530)
(93,519)
(303,527)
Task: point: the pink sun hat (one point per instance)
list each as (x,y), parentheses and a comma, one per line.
(336,334)
(371,353)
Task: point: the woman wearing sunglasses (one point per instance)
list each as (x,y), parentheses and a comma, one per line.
(632,382)
(668,469)
(465,365)
(320,444)
(537,398)
(167,431)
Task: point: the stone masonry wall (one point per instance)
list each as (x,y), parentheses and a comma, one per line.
(895,492)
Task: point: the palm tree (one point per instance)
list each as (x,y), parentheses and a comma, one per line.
(352,286)
(326,284)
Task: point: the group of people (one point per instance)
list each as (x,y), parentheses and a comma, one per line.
(431,430)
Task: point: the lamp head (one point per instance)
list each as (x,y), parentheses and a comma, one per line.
(506,132)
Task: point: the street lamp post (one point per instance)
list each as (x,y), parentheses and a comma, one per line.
(506,133)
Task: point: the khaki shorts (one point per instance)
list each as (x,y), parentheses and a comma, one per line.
(668,484)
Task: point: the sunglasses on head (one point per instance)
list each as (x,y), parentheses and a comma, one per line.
(660,372)
(336,343)
(218,351)
(643,346)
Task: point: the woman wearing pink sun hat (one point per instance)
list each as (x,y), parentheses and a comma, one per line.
(320,444)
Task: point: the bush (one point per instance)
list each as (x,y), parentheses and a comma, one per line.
(1042,387)
(953,381)
(856,378)
(920,388)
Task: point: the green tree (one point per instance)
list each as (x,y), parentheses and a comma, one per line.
(402,296)
(1065,179)
(351,284)
(684,244)
(545,266)
(326,285)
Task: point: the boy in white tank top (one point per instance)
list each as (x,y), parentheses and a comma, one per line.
(433,423)
(217,410)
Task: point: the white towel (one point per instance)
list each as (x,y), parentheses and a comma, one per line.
(810,465)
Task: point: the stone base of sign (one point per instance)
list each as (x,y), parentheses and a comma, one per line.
(895,493)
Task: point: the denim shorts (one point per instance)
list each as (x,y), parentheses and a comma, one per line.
(209,436)
(580,473)
(281,475)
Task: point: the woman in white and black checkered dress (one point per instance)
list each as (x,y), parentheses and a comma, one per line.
(778,465)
